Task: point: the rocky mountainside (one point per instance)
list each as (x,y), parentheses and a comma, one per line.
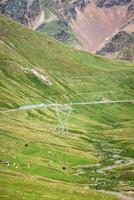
(28,12)
(121,46)
(85,24)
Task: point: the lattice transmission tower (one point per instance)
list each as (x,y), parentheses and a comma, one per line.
(63,112)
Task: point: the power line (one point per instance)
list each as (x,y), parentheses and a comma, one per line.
(63,111)
(65,105)
(103,102)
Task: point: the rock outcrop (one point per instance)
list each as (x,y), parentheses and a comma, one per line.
(121,46)
(28,12)
(111,3)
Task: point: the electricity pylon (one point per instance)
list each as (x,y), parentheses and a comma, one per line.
(63,113)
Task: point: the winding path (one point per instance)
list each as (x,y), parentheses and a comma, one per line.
(130,161)
(118,194)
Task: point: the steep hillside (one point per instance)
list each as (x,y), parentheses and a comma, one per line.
(83,24)
(37,161)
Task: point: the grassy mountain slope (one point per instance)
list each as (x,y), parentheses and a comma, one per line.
(37,69)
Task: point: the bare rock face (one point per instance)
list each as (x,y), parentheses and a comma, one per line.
(95,24)
(121,46)
(118,42)
(131,8)
(27,12)
(111,3)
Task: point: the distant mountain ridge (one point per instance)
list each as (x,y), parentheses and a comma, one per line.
(83,24)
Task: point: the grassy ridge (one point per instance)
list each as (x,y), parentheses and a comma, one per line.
(30,142)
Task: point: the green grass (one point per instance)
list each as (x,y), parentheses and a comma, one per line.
(96,132)
(22,187)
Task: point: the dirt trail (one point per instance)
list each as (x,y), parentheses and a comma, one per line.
(81,167)
(118,194)
(130,161)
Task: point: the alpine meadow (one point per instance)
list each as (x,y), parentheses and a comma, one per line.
(66,120)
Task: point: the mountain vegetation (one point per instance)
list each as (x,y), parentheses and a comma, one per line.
(82,24)
(37,161)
